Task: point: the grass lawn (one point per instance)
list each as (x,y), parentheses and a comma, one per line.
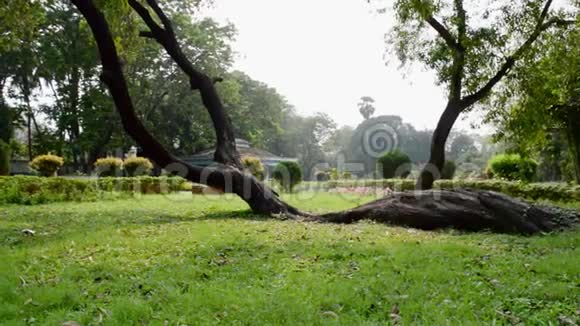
(174,260)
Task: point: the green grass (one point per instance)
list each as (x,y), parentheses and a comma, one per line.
(207,261)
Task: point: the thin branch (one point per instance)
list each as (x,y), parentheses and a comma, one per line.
(444,33)
(511,60)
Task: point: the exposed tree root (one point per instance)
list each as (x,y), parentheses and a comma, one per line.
(472,210)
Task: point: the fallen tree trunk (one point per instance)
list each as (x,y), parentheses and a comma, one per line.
(472,210)
(466,210)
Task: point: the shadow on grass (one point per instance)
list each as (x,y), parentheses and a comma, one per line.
(210,216)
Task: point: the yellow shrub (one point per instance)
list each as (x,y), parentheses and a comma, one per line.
(255,166)
(47,165)
(109,166)
(135,166)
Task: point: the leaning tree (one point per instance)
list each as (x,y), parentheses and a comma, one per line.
(462,209)
(470,52)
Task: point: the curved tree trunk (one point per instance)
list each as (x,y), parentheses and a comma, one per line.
(468,210)
(432,170)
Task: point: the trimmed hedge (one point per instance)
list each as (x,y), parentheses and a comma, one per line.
(512,167)
(30,190)
(395,164)
(533,191)
(288,174)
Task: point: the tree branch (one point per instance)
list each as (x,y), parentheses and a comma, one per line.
(512,59)
(444,33)
(226,152)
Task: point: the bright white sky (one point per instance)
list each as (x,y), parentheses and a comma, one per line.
(323,55)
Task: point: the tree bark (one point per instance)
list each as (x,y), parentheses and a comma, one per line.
(469,210)
(432,170)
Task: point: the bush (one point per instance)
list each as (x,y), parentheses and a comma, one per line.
(47,165)
(513,167)
(346,175)
(255,166)
(109,166)
(448,171)
(395,164)
(31,190)
(288,174)
(143,184)
(136,166)
(4,158)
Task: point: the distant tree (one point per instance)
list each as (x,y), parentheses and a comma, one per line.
(305,139)
(471,54)
(461,145)
(366,106)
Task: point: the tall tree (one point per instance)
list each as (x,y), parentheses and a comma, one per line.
(424,209)
(366,106)
(471,52)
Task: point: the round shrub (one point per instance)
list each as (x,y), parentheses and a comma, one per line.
(448,171)
(47,165)
(395,164)
(512,167)
(4,158)
(288,174)
(346,175)
(136,166)
(255,166)
(109,166)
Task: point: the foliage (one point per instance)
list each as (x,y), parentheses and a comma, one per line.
(142,184)
(305,138)
(540,109)
(4,158)
(136,166)
(121,262)
(29,190)
(448,171)
(288,174)
(395,164)
(47,165)
(48,43)
(255,166)
(513,167)
(109,166)
(366,107)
